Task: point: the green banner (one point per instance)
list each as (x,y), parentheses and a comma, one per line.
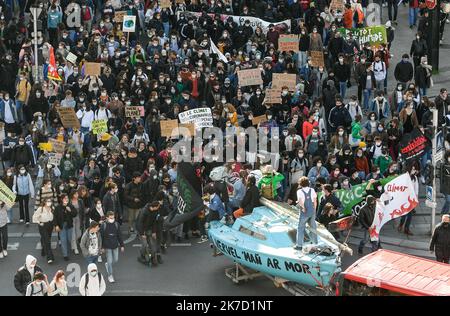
(351,199)
(375,35)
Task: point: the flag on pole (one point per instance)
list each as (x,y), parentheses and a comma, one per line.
(215,50)
(399,198)
(52,72)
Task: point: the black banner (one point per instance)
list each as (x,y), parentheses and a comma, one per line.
(413,145)
(190,201)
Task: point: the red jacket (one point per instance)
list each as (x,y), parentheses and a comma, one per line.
(308,128)
(361,164)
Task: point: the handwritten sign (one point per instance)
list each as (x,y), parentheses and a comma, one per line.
(284,80)
(92,69)
(201,117)
(259,119)
(375,35)
(337,5)
(165,4)
(118,16)
(250,77)
(132,111)
(167,126)
(45,146)
(55,158)
(317,58)
(68,117)
(71,58)
(57,146)
(6,195)
(288,42)
(190,127)
(273,96)
(99,127)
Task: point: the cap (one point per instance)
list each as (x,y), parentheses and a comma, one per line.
(362,144)
(105,137)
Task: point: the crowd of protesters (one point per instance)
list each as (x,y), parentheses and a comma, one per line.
(127,175)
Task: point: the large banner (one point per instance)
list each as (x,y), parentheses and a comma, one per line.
(398,199)
(240,20)
(201,117)
(413,145)
(353,200)
(375,35)
(190,202)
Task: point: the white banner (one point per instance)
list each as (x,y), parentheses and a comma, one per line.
(240,20)
(201,117)
(398,199)
(215,50)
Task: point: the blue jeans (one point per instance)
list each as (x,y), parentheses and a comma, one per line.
(362,174)
(425,157)
(19,108)
(302,59)
(412,16)
(166,26)
(112,256)
(91,259)
(423,91)
(367,93)
(366,238)
(10,214)
(301,227)
(342,88)
(446,208)
(406,220)
(65,236)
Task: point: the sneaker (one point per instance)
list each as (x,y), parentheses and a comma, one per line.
(100,259)
(75,251)
(27,224)
(299,248)
(21,221)
(50,261)
(131,230)
(447,21)
(8,221)
(440,42)
(159,259)
(204,238)
(1,255)
(111,279)
(422,179)
(5,253)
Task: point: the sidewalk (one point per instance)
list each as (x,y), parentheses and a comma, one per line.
(418,244)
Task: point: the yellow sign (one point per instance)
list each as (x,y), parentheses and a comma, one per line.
(6,195)
(45,146)
(99,127)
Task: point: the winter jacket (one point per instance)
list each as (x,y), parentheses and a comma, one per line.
(313,174)
(342,72)
(149,222)
(95,286)
(133,191)
(22,155)
(111,203)
(333,199)
(339,116)
(86,240)
(111,235)
(23,185)
(404,71)
(251,200)
(132,165)
(23,276)
(63,216)
(366,216)
(419,48)
(440,241)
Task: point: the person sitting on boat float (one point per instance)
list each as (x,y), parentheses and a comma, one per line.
(270,183)
(215,207)
(250,200)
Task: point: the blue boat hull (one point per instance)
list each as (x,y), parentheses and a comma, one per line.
(271,252)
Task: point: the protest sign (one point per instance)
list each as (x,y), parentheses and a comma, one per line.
(165,4)
(45,146)
(99,127)
(284,80)
(71,58)
(337,5)
(6,195)
(132,111)
(68,117)
(259,119)
(190,127)
(317,58)
(57,146)
(92,69)
(398,199)
(288,42)
(273,96)
(129,23)
(118,16)
(167,126)
(250,77)
(54,158)
(413,145)
(375,35)
(201,117)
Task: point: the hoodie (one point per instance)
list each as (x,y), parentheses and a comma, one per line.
(95,286)
(25,274)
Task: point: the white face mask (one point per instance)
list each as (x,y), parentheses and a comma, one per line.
(9,174)
(48,204)
(22,171)
(21,143)
(319,165)
(341,133)
(93,274)
(111,220)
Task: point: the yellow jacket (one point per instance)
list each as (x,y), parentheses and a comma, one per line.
(23,89)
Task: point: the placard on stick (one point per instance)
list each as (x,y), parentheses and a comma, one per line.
(336,5)
(129,23)
(92,69)
(6,195)
(68,117)
(167,126)
(317,59)
(250,77)
(284,80)
(273,96)
(99,127)
(165,4)
(288,42)
(259,119)
(118,16)
(132,111)
(57,146)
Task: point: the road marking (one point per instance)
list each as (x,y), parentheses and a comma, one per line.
(182,245)
(32,235)
(54,245)
(13,246)
(132,238)
(15,235)
(136,245)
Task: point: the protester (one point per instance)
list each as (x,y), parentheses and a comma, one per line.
(91,243)
(92,283)
(58,286)
(440,240)
(111,241)
(307,201)
(26,274)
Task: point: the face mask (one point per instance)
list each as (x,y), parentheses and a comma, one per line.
(372,118)
(380,129)
(269,117)
(301,155)
(284,93)
(48,204)
(22,171)
(319,165)
(341,133)
(9,174)
(335,185)
(98,206)
(21,143)
(93,274)
(378,143)
(315,133)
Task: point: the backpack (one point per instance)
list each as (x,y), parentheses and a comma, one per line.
(267,190)
(86,280)
(87,14)
(32,289)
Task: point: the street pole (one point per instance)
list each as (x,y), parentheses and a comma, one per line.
(433,162)
(435,35)
(35,12)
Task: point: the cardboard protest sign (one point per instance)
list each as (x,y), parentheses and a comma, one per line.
(71,58)
(132,111)
(167,126)
(250,77)
(118,16)
(165,4)
(92,69)
(57,146)
(190,127)
(375,35)
(68,117)
(284,80)
(45,146)
(179,1)
(6,195)
(337,5)
(317,58)
(273,96)
(99,127)
(201,117)
(129,23)
(288,42)
(259,119)
(55,158)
